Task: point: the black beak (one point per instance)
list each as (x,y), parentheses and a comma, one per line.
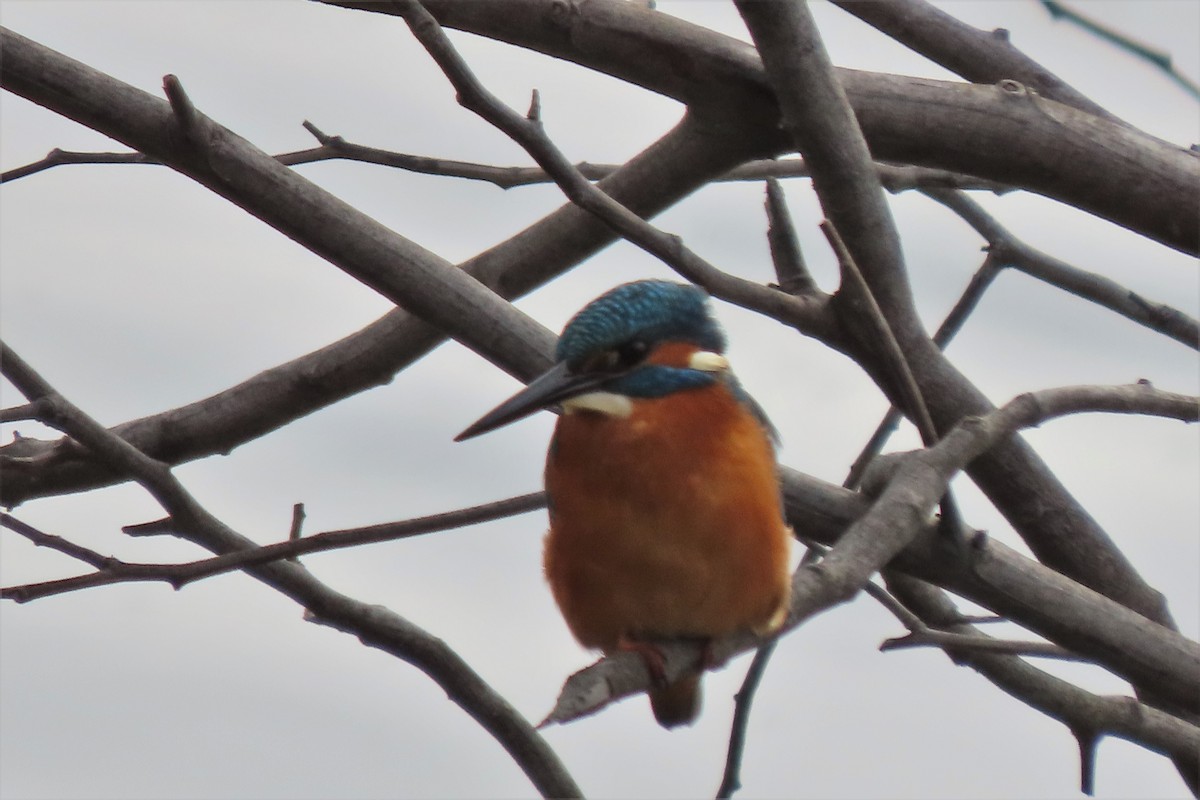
(551,387)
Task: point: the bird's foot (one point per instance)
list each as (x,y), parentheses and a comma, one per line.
(656,664)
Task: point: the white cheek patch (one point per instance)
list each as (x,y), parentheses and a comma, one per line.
(614,405)
(707,361)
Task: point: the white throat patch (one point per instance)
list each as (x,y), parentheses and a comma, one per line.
(614,405)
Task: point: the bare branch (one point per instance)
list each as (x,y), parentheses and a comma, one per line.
(113,571)
(57,157)
(1001,134)
(1086,715)
(808,314)
(929,637)
(790,269)
(194,145)
(979,56)
(1155,56)
(822,127)
(731,779)
(950,326)
(1008,250)
(684,159)
(895,178)
(64,546)
(872,317)
(374,625)
(1013,478)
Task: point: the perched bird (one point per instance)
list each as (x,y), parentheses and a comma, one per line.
(665,513)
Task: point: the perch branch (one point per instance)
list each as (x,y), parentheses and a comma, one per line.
(894,520)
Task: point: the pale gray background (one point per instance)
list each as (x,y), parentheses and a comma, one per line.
(134,290)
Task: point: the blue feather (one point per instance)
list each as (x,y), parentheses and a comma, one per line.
(652,311)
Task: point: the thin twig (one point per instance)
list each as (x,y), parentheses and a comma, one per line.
(895,177)
(1010,251)
(905,382)
(1154,55)
(64,546)
(950,326)
(930,637)
(113,571)
(731,780)
(790,269)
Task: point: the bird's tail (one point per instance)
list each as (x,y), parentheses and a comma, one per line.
(677,703)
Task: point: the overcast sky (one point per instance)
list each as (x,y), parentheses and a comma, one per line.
(134,290)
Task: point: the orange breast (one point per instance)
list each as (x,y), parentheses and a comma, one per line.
(666,522)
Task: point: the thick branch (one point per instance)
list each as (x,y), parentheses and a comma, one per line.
(979,56)
(1000,133)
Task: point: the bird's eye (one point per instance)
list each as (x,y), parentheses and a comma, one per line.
(619,358)
(631,352)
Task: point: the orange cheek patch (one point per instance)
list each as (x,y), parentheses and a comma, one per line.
(672,354)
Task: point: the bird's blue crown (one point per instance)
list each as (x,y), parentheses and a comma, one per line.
(649,311)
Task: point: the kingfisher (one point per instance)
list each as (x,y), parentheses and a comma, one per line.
(665,513)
